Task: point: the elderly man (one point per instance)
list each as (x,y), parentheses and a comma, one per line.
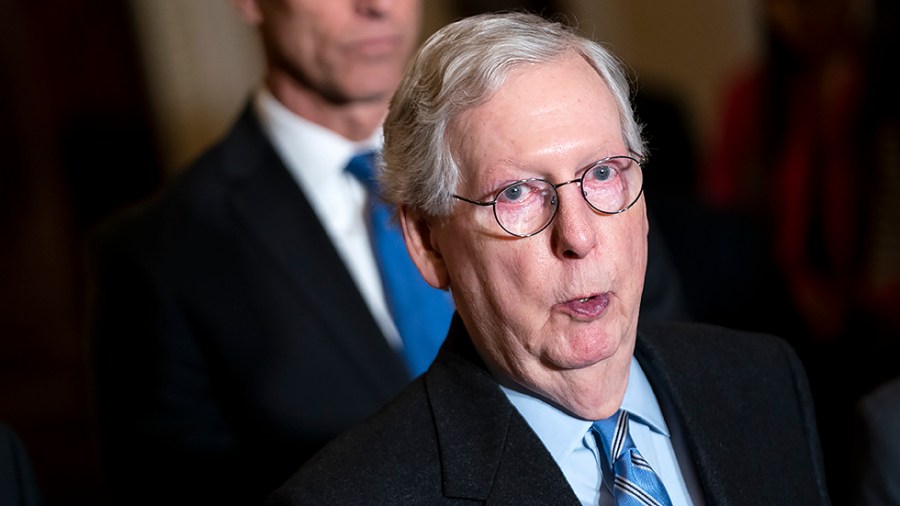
(513,154)
(266,302)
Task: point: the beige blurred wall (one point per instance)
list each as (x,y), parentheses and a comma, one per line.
(687,46)
(201,61)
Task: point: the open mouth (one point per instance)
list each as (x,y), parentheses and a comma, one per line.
(590,307)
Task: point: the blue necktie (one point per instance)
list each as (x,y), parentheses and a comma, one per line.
(634,482)
(421,313)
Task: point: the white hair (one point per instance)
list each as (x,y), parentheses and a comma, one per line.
(460,67)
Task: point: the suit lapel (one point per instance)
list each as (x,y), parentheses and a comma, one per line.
(269,204)
(488,451)
(670,363)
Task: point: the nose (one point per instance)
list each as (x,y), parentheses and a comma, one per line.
(574,233)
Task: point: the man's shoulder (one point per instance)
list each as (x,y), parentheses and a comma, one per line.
(443,437)
(728,387)
(194,199)
(880,410)
(159,223)
(702,359)
(692,337)
(391,457)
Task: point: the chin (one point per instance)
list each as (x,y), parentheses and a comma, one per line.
(587,348)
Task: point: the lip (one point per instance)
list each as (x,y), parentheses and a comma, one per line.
(585,308)
(374,46)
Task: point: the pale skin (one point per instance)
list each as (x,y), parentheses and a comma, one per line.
(555,313)
(336,62)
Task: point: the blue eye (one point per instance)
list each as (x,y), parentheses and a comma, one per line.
(528,192)
(513,193)
(602,172)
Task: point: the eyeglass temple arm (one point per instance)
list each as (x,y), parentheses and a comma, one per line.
(477,203)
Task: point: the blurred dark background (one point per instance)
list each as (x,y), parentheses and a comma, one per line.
(96,115)
(77,142)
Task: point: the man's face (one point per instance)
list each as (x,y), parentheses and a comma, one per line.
(344,50)
(550,310)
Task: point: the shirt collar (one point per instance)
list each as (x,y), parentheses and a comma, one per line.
(310,151)
(562,433)
(641,402)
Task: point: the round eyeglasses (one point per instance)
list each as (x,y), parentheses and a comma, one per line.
(526,207)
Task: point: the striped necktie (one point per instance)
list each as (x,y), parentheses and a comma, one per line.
(420,312)
(634,482)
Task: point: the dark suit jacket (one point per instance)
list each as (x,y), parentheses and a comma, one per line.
(18,485)
(452,437)
(876,451)
(230,341)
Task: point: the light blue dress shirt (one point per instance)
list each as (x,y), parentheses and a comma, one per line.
(574,448)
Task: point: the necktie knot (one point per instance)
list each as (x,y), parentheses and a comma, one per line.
(362,166)
(634,481)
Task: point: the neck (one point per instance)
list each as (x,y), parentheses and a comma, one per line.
(354,120)
(595,394)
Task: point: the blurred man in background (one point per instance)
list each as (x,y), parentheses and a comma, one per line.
(240,320)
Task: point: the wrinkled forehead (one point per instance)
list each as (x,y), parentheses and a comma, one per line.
(539,108)
(483,84)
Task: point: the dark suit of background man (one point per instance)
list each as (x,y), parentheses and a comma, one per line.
(238,322)
(876,447)
(514,159)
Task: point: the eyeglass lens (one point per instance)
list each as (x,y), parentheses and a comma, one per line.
(527,207)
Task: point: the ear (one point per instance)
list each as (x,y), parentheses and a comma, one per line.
(417,233)
(646,219)
(249,11)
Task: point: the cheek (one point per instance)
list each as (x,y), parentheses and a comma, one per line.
(516,296)
(409,14)
(478,272)
(487,274)
(634,238)
(633,254)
